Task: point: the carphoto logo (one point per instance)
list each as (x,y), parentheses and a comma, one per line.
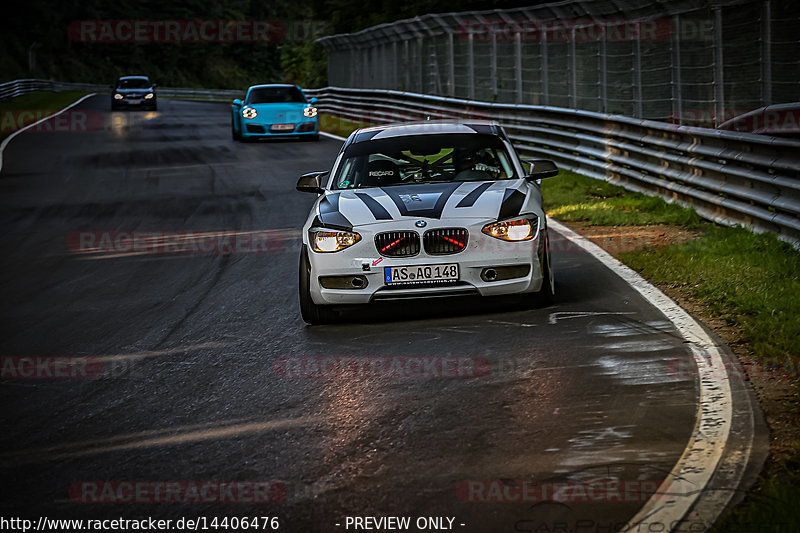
(344,367)
(29,367)
(180,492)
(122,243)
(70,121)
(195,31)
(529,491)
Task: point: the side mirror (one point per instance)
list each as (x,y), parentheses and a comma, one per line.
(237,102)
(155,85)
(314,100)
(541,168)
(112,87)
(310,182)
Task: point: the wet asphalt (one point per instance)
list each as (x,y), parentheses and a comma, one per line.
(193,351)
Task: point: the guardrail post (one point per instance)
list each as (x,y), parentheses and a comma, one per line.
(493,66)
(573,70)
(394,65)
(766,53)
(387,67)
(603,61)
(422,63)
(32,56)
(518,66)
(545,77)
(451,64)
(719,69)
(637,73)
(470,66)
(677,100)
(407,69)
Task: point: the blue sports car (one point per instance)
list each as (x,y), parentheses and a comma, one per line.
(276,110)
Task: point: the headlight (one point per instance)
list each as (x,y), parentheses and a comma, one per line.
(249,112)
(327,241)
(310,112)
(117,96)
(518,229)
(148,96)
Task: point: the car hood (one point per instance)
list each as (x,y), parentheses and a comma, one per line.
(134,91)
(279,107)
(280,112)
(489,200)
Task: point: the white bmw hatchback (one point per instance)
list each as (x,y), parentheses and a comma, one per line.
(424,210)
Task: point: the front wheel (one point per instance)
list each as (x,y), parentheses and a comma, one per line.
(311,312)
(235,135)
(547,294)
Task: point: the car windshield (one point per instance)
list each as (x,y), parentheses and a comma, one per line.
(133,83)
(424,159)
(274,95)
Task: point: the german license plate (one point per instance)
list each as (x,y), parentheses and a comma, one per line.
(282,127)
(415,275)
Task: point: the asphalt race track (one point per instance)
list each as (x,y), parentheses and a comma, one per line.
(196,355)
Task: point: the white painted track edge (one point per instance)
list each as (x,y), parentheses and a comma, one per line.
(677,495)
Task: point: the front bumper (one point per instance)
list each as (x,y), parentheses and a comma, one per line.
(134,103)
(252,128)
(520,262)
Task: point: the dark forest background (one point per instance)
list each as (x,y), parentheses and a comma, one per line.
(210,65)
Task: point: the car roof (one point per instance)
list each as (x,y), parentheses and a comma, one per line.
(265,85)
(427,127)
(134,78)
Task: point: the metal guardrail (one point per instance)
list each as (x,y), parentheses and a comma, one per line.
(727,177)
(19,87)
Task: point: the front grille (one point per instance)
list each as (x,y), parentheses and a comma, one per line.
(445,241)
(397,243)
(255,128)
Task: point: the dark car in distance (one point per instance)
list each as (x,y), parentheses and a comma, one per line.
(134,92)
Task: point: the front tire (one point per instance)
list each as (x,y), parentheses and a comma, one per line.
(311,312)
(235,135)
(547,294)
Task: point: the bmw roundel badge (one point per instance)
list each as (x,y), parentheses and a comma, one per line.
(420,223)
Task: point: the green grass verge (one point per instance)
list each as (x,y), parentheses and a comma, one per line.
(40,104)
(339,126)
(772,508)
(572,197)
(751,281)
